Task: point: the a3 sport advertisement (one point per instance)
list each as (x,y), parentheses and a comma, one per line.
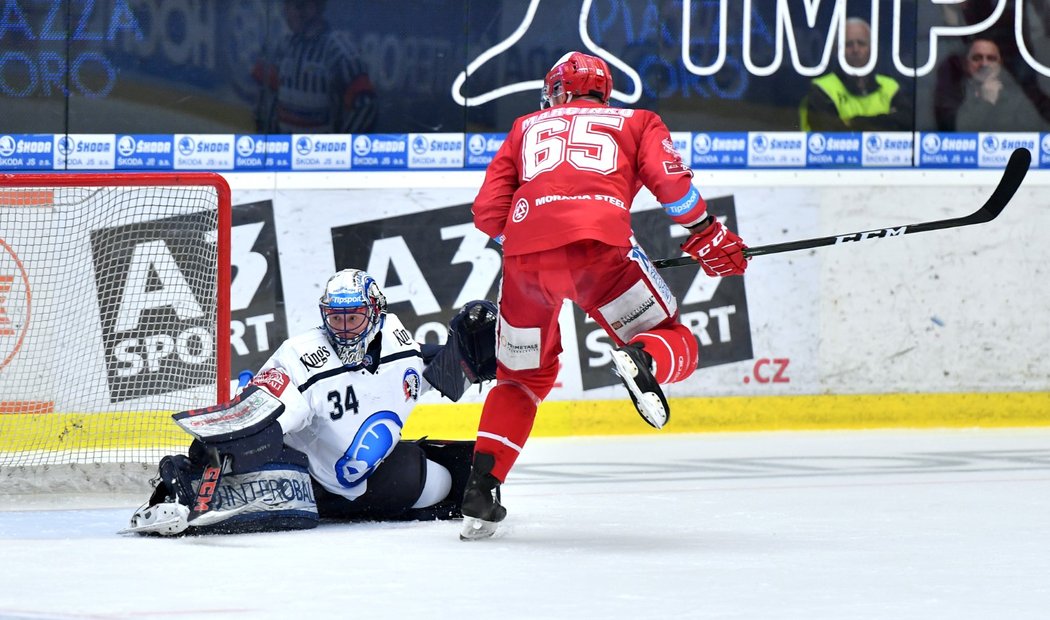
(430,263)
(156,288)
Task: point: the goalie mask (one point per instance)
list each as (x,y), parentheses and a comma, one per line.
(353,310)
(576,75)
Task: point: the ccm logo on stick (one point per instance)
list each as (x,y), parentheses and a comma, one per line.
(872,234)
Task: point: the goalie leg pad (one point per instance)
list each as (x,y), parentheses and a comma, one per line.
(273,497)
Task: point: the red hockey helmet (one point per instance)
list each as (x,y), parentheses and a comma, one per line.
(579,75)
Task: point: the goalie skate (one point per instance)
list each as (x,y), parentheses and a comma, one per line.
(167,519)
(634,367)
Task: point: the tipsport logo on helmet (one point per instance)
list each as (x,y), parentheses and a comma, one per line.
(157,305)
(346,299)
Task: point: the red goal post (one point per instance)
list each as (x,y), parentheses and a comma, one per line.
(114,314)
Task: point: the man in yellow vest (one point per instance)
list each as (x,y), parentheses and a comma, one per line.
(838,101)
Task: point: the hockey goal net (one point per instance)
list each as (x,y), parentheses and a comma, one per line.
(114,314)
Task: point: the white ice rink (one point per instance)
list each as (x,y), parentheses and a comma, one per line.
(830,525)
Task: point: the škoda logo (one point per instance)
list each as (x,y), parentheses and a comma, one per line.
(14,304)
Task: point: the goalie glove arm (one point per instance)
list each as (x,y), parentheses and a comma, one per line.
(469,354)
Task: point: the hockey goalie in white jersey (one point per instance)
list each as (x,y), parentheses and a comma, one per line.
(317,432)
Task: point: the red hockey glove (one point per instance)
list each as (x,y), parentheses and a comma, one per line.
(718,250)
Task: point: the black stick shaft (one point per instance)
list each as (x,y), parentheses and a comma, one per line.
(1013,175)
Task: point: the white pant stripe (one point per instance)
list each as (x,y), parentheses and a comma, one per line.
(500,438)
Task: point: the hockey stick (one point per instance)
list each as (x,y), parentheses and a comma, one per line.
(1016,169)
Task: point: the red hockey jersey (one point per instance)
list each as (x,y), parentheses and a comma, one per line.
(572,171)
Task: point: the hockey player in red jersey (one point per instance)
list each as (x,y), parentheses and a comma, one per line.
(558,196)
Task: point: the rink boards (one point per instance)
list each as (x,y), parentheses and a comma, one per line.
(939,329)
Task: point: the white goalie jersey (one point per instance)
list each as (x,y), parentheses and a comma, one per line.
(345,420)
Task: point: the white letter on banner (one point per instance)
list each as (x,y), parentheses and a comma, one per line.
(413,287)
(473,250)
(250,266)
(687,22)
(154,259)
(783,24)
(935,32)
(1021,45)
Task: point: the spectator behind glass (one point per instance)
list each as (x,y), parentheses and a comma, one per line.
(838,101)
(317,82)
(973,93)
(1005,33)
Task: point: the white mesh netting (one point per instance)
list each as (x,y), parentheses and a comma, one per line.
(109,302)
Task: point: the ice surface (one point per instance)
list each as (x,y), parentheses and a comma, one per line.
(836,525)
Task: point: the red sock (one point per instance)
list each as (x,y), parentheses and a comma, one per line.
(506,421)
(674,349)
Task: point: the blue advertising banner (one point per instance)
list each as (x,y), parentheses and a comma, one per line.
(720,150)
(435,150)
(947,150)
(474,151)
(768,149)
(833,150)
(320,152)
(481,148)
(85,152)
(379,152)
(893,149)
(27,152)
(260,152)
(145,152)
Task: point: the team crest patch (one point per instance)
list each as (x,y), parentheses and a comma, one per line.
(410,384)
(676,167)
(273,380)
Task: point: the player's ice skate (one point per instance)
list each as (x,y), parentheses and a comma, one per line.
(166,519)
(635,368)
(482,510)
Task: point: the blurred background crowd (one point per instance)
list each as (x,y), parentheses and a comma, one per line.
(399,66)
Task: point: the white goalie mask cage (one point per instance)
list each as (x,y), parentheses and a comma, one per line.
(352,310)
